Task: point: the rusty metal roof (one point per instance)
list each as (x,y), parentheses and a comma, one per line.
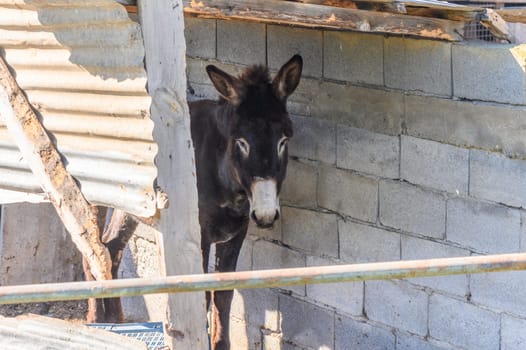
(80,62)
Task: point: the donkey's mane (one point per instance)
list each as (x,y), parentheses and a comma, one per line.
(255,75)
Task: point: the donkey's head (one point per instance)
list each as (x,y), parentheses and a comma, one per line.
(258,127)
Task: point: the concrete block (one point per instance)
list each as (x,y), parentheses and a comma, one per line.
(256,307)
(299,187)
(434,164)
(345,297)
(241,42)
(287,345)
(272,341)
(135,308)
(201,91)
(501,291)
(362,243)
(512,335)
(353,57)
(306,324)
(409,342)
(486,228)
(273,233)
(311,231)
(313,139)
(418,65)
(454,122)
(244,336)
(368,152)
(348,193)
(351,334)
(200,35)
(410,208)
(365,108)
(497,178)
(463,324)
(397,305)
(35,247)
(141,260)
(244,261)
(196,69)
(283,42)
(489,72)
(267,255)
(416,248)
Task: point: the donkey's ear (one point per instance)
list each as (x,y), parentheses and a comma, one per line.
(288,78)
(229,87)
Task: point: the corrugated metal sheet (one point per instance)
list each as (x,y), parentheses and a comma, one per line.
(34,332)
(80,63)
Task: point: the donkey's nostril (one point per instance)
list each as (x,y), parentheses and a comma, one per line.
(276,217)
(253,216)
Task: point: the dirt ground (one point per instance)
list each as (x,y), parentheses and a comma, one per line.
(74,311)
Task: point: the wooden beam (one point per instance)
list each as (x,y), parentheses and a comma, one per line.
(513,15)
(326,17)
(497,2)
(45,162)
(131,8)
(497,26)
(424,8)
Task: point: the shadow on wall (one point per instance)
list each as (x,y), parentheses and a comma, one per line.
(268,319)
(141,260)
(37,249)
(134,307)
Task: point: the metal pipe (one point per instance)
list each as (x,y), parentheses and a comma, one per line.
(262,278)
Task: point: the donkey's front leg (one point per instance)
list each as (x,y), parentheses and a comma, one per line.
(226,260)
(115,237)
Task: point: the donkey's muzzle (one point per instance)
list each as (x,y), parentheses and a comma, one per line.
(264,222)
(264,204)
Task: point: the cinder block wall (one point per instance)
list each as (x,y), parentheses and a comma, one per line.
(403,149)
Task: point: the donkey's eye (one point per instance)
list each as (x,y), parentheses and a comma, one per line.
(243,146)
(281,145)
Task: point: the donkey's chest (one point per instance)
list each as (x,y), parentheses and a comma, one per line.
(226,219)
(225,225)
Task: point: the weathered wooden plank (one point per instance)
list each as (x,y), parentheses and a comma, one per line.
(434,4)
(45,162)
(513,15)
(498,2)
(497,26)
(319,16)
(424,8)
(180,253)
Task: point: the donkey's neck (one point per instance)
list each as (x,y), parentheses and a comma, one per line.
(225,174)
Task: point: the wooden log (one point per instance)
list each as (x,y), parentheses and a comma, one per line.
(326,17)
(424,8)
(78,216)
(179,245)
(497,26)
(513,15)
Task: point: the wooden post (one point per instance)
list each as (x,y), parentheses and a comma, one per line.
(163,32)
(79,217)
